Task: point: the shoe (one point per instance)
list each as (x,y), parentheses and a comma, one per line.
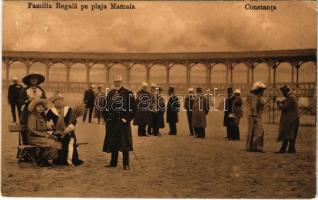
(110,165)
(291,151)
(126,167)
(280,151)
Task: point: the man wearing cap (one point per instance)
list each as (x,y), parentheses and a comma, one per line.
(173,107)
(235,115)
(13,98)
(120,110)
(227,111)
(289,121)
(89,101)
(28,94)
(188,106)
(143,116)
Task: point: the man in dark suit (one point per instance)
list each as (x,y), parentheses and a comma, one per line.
(188,106)
(13,98)
(89,101)
(120,110)
(173,108)
(227,111)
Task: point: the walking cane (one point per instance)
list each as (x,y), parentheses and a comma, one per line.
(138,159)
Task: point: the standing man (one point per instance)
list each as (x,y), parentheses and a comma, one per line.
(200,110)
(153,87)
(227,111)
(120,110)
(173,107)
(236,115)
(289,121)
(100,103)
(89,101)
(188,106)
(143,114)
(13,98)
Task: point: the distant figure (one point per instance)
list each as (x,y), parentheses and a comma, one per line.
(200,110)
(89,101)
(255,136)
(289,121)
(120,111)
(173,107)
(235,115)
(13,98)
(227,111)
(188,106)
(158,112)
(99,104)
(143,116)
(153,87)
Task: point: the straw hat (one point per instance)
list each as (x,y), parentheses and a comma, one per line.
(258,85)
(15,78)
(35,102)
(237,91)
(27,79)
(190,89)
(144,84)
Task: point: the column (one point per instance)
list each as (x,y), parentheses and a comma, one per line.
(128,69)
(208,75)
(269,75)
(7,72)
(188,77)
(227,73)
(68,69)
(297,75)
(47,75)
(88,69)
(107,68)
(252,73)
(148,66)
(293,74)
(248,76)
(28,66)
(274,75)
(168,75)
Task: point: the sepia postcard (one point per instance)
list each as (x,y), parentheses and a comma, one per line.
(159,99)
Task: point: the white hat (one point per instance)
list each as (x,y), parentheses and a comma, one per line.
(144,84)
(92,86)
(15,78)
(190,89)
(153,85)
(118,77)
(258,85)
(238,91)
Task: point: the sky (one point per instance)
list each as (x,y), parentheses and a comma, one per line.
(177,26)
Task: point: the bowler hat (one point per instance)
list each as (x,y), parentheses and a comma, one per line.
(27,79)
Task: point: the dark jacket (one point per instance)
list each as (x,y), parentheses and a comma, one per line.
(158,115)
(228,110)
(200,110)
(188,104)
(14,93)
(120,105)
(173,107)
(89,98)
(143,114)
(289,119)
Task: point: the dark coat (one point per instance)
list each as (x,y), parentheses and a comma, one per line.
(228,110)
(89,98)
(200,110)
(120,105)
(143,114)
(237,110)
(173,107)
(14,93)
(158,115)
(189,103)
(289,119)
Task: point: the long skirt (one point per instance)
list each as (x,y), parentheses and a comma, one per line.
(49,147)
(255,136)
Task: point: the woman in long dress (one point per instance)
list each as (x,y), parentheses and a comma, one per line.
(255,136)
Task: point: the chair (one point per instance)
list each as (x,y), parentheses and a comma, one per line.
(26,152)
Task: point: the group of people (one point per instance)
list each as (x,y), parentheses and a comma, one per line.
(289,120)
(53,129)
(50,129)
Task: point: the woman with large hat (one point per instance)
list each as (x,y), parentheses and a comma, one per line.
(28,94)
(64,128)
(38,134)
(255,136)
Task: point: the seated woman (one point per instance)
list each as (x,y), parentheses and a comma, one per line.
(60,115)
(38,134)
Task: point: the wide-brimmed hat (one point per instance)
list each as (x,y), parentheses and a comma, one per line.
(15,78)
(56,97)
(285,89)
(190,89)
(27,79)
(237,91)
(35,102)
(258,85)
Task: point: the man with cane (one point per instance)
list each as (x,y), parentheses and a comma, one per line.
(119,111)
